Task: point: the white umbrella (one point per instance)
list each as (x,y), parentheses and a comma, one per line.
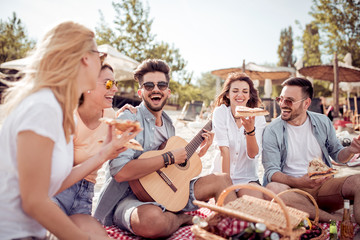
(123,66)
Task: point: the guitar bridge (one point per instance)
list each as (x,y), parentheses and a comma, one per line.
(167,180)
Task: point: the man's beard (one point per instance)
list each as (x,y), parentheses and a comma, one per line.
(155,109)
(294,114)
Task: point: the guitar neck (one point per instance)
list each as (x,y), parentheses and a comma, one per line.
(197,140)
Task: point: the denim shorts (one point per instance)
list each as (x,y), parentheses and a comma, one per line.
(128,204)
(77,199)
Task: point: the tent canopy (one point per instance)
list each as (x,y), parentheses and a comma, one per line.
(123,65)
(258,72)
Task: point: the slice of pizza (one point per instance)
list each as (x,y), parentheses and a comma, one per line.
(318,169)
(122,125)
(242,111)
(132,143)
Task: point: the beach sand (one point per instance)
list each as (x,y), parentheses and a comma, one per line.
(189,130)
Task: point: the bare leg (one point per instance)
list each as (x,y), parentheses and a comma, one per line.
(249,192)
(88,224)
(300,202)
(350,190)
(212,185)
(150,221)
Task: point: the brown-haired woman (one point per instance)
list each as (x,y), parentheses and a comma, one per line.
(238,139)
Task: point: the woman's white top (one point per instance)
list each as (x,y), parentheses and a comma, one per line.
(40,113)
(243,169)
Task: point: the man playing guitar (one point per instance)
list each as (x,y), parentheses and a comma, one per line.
(118,205)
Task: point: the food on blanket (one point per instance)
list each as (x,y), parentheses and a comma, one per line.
(122,125)
(241,111)
(133,144)
(314,232)
(318,169)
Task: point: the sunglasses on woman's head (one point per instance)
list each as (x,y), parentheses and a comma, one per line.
(149,86)
(287,102)
(102,56)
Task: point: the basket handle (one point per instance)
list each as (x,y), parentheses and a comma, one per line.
(229,189)
(316,220)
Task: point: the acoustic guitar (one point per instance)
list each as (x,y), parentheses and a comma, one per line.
(170,186)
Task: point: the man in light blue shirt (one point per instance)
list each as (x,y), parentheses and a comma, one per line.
(292,140)
(118,205)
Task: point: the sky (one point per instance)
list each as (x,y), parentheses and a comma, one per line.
(210,34)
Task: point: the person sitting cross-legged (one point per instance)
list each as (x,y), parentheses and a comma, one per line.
(118,205)
(295,138)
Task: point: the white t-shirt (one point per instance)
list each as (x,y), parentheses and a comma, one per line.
(243,169)
(41,113)
(302,148)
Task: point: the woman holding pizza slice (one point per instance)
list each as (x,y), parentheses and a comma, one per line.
(238,139)
(36,137)
(76,201)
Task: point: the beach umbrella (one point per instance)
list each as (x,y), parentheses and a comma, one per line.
(258,72)
(337,72)
(123,65)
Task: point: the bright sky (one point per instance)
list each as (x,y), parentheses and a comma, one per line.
(210,34)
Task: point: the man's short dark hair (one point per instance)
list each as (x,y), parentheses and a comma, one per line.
(151,65)
(305,84)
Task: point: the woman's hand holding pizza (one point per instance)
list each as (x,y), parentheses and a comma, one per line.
(114,143)
(248,123)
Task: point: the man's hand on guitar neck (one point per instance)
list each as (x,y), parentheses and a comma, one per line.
(208,140)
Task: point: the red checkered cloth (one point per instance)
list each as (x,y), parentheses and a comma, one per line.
(228,226)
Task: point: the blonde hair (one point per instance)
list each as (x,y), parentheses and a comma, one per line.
(55,64)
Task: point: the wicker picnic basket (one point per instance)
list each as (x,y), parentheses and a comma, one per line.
(274,214)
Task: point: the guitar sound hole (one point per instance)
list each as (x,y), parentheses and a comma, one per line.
(183,164)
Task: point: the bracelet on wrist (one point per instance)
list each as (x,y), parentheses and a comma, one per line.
(249,133)
(166,159)
(172,158)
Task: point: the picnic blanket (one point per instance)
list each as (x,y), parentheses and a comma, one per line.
(229,226)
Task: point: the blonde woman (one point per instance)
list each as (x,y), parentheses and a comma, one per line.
(238,139)
(36,136)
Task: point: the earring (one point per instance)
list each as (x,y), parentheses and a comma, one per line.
(89,91)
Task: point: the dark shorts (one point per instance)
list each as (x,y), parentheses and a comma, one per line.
(329,195)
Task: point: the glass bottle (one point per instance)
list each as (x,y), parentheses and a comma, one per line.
(259,231)
(246,234)
(333,230)
(346,228)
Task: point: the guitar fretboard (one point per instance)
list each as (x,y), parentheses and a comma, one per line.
(196,141)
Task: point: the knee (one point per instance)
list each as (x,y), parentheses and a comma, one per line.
(223,180)
(153,225)
(277,187)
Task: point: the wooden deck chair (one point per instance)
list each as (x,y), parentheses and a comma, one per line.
(190,111)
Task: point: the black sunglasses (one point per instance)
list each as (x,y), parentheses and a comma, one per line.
(149,86)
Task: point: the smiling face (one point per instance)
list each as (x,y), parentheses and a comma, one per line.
(239,94)
(295,114)
(101,96)
(156,98)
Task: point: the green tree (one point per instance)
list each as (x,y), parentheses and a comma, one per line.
(311,43)
(285,48)
(339,21)
(14,42)
(207,84)
(133,37)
